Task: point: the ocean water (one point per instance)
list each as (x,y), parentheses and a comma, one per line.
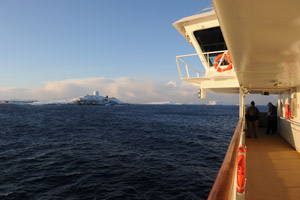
(146,152)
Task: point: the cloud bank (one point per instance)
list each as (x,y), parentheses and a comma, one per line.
(126,89)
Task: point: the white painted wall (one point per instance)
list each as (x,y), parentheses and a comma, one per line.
(290,128)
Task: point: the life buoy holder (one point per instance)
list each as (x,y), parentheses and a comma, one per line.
(241,168)
(216,62)
(288,114)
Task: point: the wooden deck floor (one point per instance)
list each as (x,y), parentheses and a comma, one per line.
(273,169)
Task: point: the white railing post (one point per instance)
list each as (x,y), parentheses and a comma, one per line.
(221,60)
(197,73)
(178,67)
(207,61)
(187,70)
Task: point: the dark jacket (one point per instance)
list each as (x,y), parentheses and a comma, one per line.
(252,113)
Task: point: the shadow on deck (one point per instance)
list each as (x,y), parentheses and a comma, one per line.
(273,168)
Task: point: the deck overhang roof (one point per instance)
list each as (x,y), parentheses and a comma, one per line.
(263,38)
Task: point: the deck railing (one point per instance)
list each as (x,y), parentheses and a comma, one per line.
(205,68)
(223,187)
(191,72)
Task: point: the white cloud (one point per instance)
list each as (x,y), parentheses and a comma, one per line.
(172,83)
(126,89)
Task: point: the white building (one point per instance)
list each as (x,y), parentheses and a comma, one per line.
(96,93)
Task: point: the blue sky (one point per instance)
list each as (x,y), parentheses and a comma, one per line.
(62,39)
(67,48)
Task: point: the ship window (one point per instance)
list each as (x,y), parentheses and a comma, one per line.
(210,40)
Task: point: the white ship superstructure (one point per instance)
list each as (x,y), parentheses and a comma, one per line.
(203,32)
(251,47)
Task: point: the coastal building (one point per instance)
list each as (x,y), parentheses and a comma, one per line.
(96,93)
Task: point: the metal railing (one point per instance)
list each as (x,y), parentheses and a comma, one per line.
(224,186)
(207,60)
(207,9)
(187,66)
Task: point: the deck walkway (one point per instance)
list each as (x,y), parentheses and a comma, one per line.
(273,169)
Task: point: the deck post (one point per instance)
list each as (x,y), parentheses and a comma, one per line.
(242,103)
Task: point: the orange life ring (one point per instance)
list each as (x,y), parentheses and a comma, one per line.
(288,114)
(216,62)
(241,168)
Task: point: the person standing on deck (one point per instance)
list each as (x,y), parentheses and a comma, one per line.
(252,115)
(272,118)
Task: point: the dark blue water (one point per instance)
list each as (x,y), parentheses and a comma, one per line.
(112,152)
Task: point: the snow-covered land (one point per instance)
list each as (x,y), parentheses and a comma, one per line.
(212,103)
(164,103)
(84,100)
(96,100)
(15,101)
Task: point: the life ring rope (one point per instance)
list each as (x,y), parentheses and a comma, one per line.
(219,59)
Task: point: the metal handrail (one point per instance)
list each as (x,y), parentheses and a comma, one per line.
(224,183)
(187,66)
(206,61)
(208,8)
(195,54)
(190,66)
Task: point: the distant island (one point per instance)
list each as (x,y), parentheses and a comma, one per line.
(213,103)
(164,103)
(94,99)
(16,101)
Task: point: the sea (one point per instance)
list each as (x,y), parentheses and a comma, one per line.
(129,152)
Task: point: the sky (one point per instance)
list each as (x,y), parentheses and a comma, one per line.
(55,49)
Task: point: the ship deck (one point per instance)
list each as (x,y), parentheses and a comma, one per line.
(273,168)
